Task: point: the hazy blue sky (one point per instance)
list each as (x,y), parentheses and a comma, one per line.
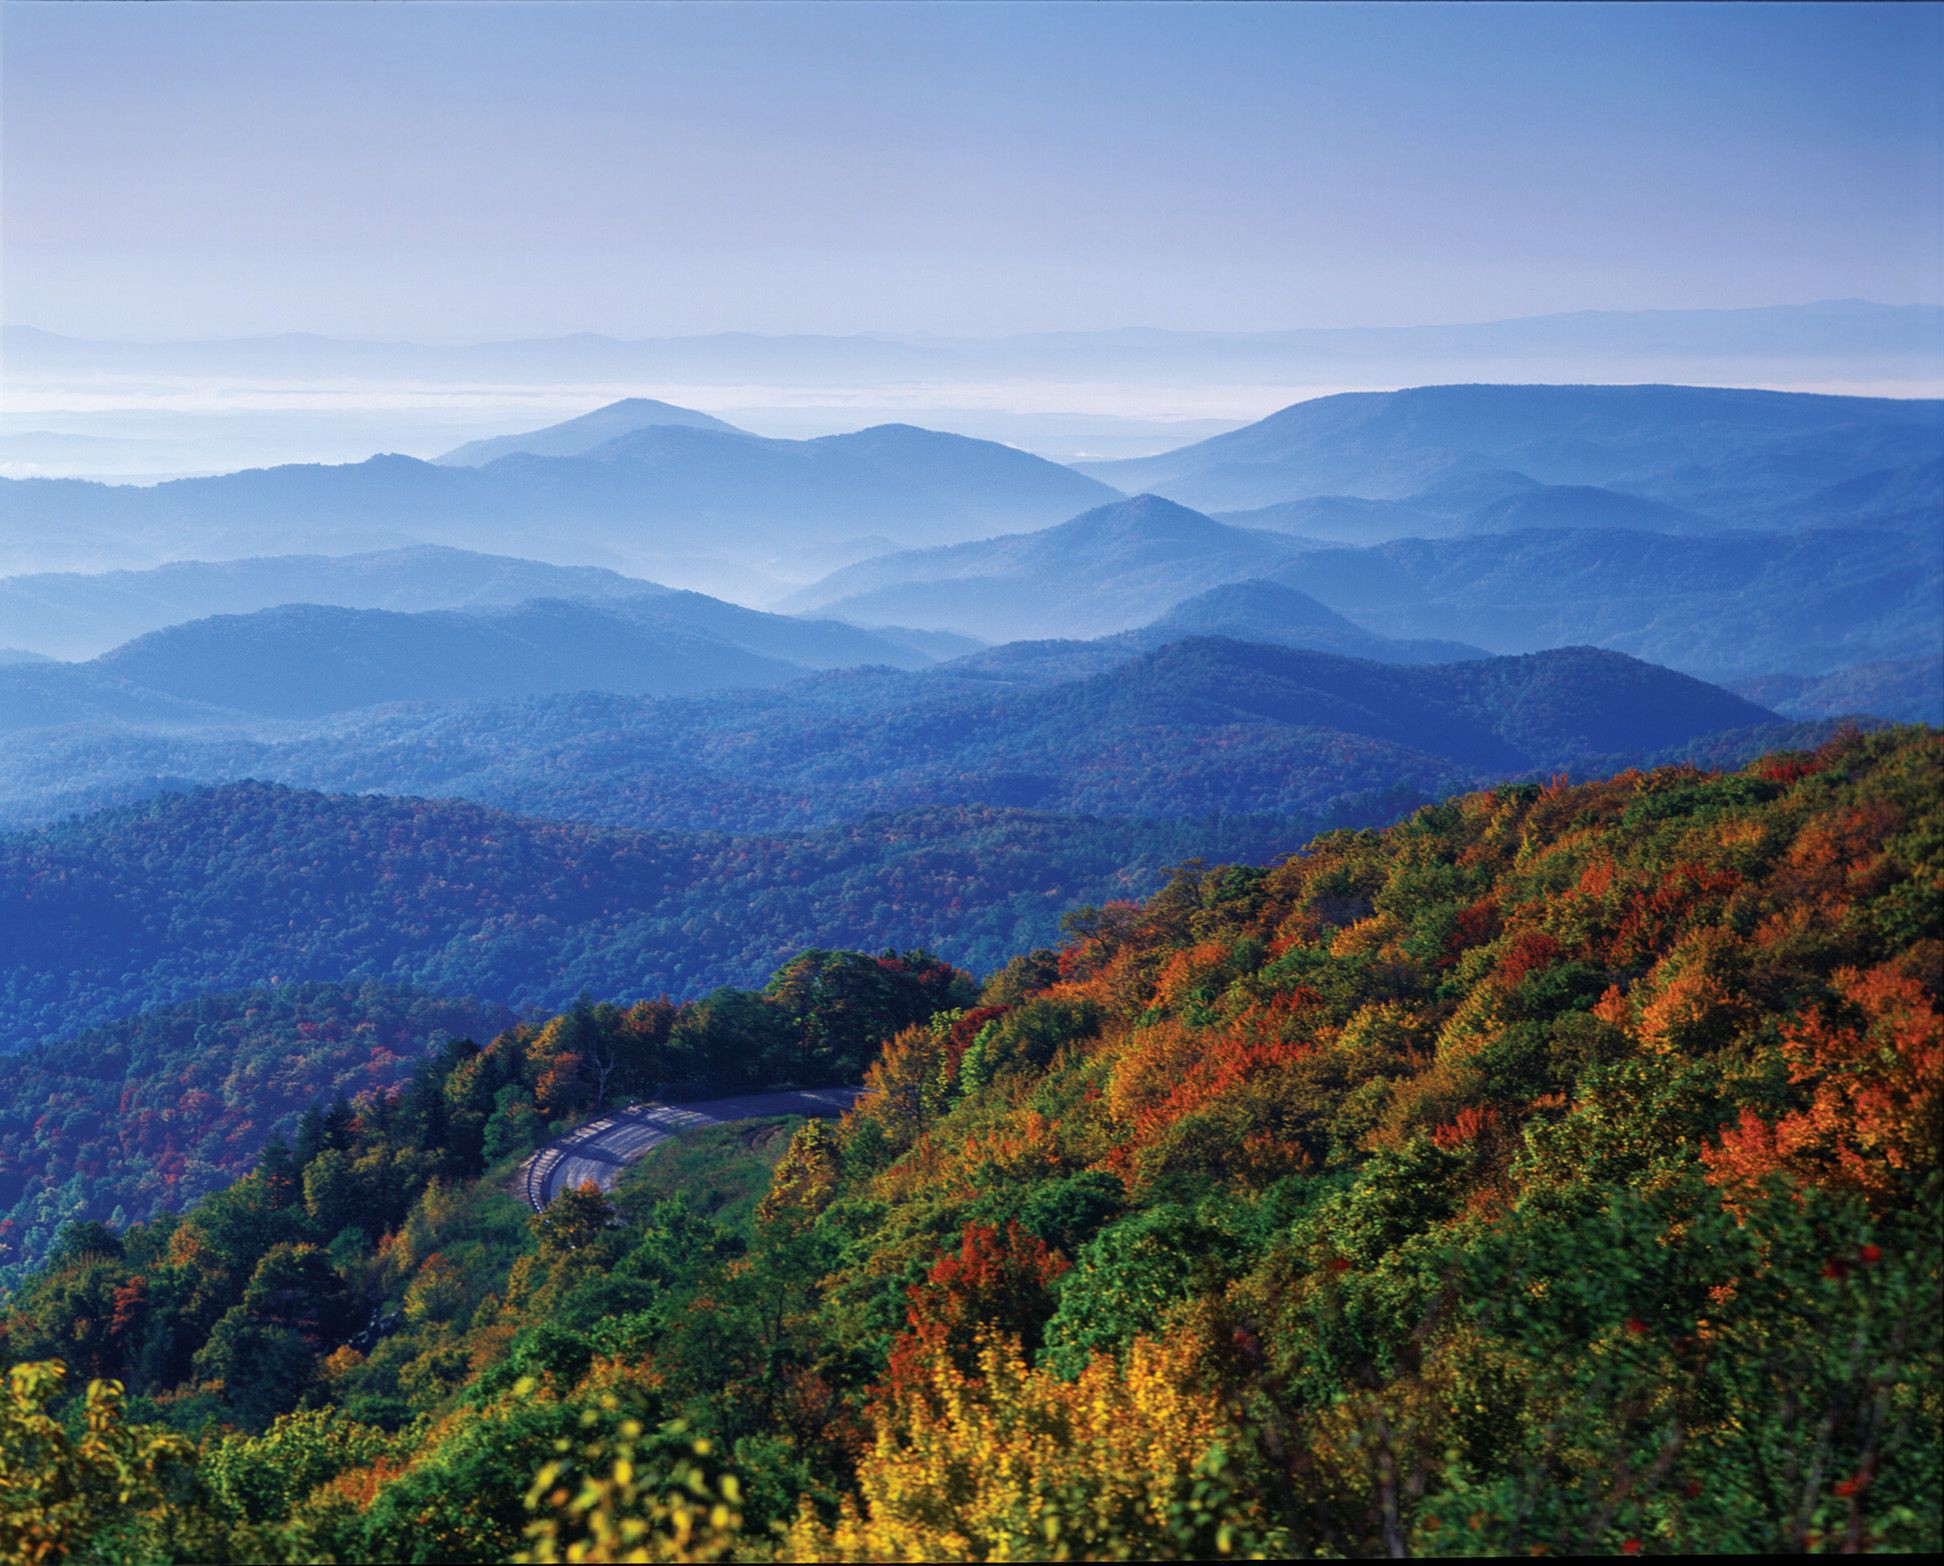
(489,170)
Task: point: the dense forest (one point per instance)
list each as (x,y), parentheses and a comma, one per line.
(253,885)
(1555,1171)
(1201,725)
(145,1115)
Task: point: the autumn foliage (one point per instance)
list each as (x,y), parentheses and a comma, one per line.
(1553,1173)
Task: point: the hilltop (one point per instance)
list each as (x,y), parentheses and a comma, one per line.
(1109,569)
(576,436)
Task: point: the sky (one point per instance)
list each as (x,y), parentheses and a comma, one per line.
(462,171)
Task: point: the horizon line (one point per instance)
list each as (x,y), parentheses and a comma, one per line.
(941,337)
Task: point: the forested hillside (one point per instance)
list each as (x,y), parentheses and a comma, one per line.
(1905,690)
(1555,1172)
(304,661)
(255,885)
(1201,725)
(146,1115)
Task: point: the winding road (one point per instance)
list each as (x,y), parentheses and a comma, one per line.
(602,1148)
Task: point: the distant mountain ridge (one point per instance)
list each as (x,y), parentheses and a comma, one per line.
(1201,725)
(1911,493)
(1734,454)
(1109,569)
(1265,612)
(1824,342)
(1725,603)
(1728,606)
(40,694)
(576,436)
(79,615)
(1491,501)
(1904,690)
(1201,746)
(712,509)
(306,660)
(1272,612)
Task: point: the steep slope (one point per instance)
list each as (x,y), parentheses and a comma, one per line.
(76,615)
(1435,1143)
(1110,569)
(1730,453)
(577,435)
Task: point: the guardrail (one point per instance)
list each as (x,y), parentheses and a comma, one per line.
(670,1118)
(541,1165)
(534,1173)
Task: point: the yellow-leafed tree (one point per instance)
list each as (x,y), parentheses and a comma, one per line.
(1011,1463)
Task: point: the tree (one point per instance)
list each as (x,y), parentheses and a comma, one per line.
(264,1477)
(83,1239)
(806,1178)
(334,1196)
(1127,1279)
(616,1494)
(295,1286)
(514,1126)
(732,1036)
(282,1179)
(994,1283)
(577,1220)
(259,1369)
(999,1462)
(59,1490)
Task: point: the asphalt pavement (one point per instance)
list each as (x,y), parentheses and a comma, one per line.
(601,1149)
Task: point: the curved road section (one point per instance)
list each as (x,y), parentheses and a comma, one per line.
(601,1149)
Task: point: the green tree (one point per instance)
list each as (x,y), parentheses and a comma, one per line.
(514,1125)
(334,1196)
(579,1220)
